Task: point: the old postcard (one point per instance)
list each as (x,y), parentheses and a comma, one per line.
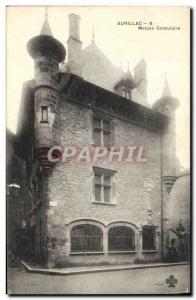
(98,150)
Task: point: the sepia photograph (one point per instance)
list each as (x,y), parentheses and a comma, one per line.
(98,174)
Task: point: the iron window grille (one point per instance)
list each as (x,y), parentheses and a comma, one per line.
(86,238)
(121,238)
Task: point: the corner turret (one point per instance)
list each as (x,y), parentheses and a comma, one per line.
(47,53)
(167,105)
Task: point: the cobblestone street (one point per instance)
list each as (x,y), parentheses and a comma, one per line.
(136,281)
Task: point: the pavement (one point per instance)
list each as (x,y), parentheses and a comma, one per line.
(143,281)
(95,269)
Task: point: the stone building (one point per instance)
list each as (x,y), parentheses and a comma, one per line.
(15,195)
(93,212)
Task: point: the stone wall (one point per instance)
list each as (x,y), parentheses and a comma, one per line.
(137,187)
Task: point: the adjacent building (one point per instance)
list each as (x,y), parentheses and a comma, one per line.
(15,195)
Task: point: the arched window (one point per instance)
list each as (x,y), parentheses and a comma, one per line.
(149,237)
(86,237)
(121,238)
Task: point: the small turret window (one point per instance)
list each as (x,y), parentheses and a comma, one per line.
(43,69)
(44,116)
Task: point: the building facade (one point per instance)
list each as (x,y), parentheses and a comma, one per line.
(87,211)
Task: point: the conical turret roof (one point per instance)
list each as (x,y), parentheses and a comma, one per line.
(166,98)
(166,90)
(45,44)
(46,30)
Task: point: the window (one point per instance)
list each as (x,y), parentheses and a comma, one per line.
(149,238)
(43,69)
(121,238)
(101,131)
(86,237)
(126,92)
(103,184)
(44,117)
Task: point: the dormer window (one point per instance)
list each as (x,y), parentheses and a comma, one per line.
(125,85)
(44,114)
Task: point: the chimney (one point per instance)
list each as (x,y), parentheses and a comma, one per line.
(74,45)
(74,30)
(141,78)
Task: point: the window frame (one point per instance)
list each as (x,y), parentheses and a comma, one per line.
(101,129)
(103,186)
(132,237)
(44,69)
(103,173)
(90,239)
(126,92)
(44,120)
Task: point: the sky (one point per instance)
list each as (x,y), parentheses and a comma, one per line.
(166,52)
